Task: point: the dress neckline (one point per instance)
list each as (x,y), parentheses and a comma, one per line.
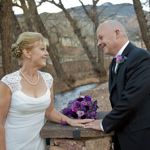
(39,97)
(31,97)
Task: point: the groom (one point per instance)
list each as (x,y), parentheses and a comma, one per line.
(129,87)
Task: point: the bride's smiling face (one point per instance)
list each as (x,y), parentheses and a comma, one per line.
(38,54)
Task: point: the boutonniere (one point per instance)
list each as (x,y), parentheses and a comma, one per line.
(120,59)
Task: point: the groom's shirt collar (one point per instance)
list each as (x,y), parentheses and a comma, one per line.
(122,49)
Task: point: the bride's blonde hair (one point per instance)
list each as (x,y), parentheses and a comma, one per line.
(25,41)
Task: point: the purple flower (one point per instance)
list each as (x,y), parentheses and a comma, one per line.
(80,113)
(88,98)
(84,103)
(120,59)
(81,108)
(79,99)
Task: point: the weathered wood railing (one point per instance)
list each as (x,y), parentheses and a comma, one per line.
(75,138)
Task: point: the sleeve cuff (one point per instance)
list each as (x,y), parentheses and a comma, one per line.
(101,126)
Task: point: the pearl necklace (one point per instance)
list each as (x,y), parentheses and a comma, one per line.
(28,80)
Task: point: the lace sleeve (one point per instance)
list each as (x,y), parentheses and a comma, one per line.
(5,80)
(12,81)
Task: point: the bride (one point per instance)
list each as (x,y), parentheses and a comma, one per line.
(26,97)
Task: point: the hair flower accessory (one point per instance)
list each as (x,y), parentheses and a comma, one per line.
(83,107)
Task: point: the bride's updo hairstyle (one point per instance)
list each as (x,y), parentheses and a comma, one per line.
(26,41)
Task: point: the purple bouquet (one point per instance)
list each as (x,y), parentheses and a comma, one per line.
(83,107)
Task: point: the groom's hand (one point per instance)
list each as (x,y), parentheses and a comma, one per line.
(96,124)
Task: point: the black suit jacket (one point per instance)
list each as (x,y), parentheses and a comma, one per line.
(129,94)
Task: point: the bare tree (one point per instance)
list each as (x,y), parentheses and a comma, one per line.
(77,31)
(16,27)
(27,16)
(6,34)
(52,48)
(27,20)
(16,31)
(142,23)
(93,15)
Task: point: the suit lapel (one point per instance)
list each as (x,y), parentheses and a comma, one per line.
(112,82)
(112,76)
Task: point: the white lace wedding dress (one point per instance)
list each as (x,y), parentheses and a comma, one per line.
(26,115)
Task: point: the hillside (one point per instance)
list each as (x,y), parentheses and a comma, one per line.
(62,34)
